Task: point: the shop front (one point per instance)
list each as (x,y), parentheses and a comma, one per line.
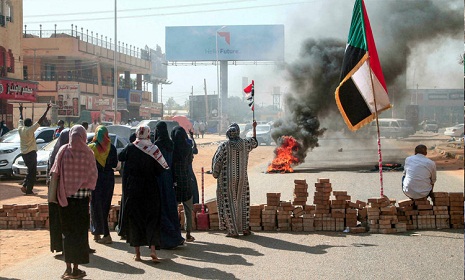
(15,91)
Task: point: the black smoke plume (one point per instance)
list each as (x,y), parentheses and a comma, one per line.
(314,76)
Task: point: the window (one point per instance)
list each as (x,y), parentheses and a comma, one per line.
(9,12)
(25,74)
(46,135)
(119,144)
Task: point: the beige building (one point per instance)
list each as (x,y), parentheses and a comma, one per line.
(13,87)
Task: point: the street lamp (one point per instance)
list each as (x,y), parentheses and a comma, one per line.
(220,105)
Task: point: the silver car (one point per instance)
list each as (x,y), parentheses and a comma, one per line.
(9,147)
(454,131)
(43,155)
(263,134)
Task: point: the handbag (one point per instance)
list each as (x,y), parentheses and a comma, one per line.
(52,188)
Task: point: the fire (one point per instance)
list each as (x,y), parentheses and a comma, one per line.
(284,155)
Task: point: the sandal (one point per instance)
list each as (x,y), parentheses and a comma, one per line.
(154,258)
(77,274)
(137,258)
(190,238)
(232,235)
(247,232)
(66,274)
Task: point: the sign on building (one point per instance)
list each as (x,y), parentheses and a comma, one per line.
(68,103)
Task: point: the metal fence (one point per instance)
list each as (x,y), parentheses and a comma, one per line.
(85,36)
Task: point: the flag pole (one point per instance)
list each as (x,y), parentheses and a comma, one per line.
(380,156)
(253,101)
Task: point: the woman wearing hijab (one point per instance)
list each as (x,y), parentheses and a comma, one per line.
(143,162)
(182,157)
(75,167)
(170,230)
(106,159)
(229,166)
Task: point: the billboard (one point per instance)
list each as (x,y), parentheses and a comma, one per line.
(235,43)
(68,104)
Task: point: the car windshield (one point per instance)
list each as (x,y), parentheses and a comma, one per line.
(403,123)
(49,146)
(11,137)
(263,128)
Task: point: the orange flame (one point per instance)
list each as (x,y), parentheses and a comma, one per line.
(284,157)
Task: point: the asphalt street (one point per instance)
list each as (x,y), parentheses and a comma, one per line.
(433,254)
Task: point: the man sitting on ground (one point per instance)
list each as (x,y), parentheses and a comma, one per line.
(419,174)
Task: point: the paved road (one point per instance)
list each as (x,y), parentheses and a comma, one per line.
(286,255)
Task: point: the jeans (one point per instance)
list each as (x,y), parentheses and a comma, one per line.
(30,160)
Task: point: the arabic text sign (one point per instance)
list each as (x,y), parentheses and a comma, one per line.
(68,100)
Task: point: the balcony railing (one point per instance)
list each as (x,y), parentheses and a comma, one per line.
(84,36)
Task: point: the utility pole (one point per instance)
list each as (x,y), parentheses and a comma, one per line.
(206,100)
(192,106)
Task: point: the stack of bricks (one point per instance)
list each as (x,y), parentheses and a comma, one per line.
(321,199)
(425,218)
(406,215)
(212,207)
(113,216)
(297,218)
(284,214)
(441,209)
(255,219)
(270,210)
(456,210)
(300,192)
(361,212)
(374,214)
(338,210)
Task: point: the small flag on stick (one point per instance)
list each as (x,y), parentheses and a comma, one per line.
(249,94)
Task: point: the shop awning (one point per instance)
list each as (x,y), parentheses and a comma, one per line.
(18,90)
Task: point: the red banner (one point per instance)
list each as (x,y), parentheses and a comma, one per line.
(17,90)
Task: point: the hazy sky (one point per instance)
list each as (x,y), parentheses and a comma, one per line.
(143,22)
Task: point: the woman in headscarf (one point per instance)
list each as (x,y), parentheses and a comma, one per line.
(143,162)
(229,166)
(75,167)
(170,230)
(106,159)
(182,157)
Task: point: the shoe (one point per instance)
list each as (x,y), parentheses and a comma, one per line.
(31,193)
(66,274)
(76,274)
(105,240)
(97,237)
(23,189)
(92,251)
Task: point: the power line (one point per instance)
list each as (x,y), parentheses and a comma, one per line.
(174,13)
(141,9)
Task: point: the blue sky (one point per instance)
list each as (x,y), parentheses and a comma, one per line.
(143,22)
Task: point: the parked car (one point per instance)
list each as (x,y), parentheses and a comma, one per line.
(392,128)
(43,155)
(430,125)
(244,128)
(9,146)
(121,130)
(454,131)
(263,134)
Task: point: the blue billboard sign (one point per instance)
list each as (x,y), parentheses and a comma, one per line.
(234,43)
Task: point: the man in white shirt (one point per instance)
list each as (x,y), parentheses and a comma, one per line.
(419,174)
(28,147)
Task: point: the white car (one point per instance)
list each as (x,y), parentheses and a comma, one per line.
(454,131)
(263,134)
(43,155)
(9,147)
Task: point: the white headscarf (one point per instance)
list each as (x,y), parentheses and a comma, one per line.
(145,145)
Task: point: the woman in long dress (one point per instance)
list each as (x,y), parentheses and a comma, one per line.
(182,157)
(75,167)
(143,163)
(106,159)
(229,166)
(170,228)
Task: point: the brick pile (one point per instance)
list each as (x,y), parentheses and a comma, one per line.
(255,221)
(321,199)
(284,215)
(456,210)
(212,207)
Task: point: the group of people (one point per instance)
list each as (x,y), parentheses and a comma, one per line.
(157,176)
(199,128)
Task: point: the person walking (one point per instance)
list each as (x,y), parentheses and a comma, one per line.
(419,174)
(143,162)
(77,175)
(229,167)
(202,128)
(182,156)
(106,159)
(170,229)
(3,128)
(196,129)
(195,151)
(28,147)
